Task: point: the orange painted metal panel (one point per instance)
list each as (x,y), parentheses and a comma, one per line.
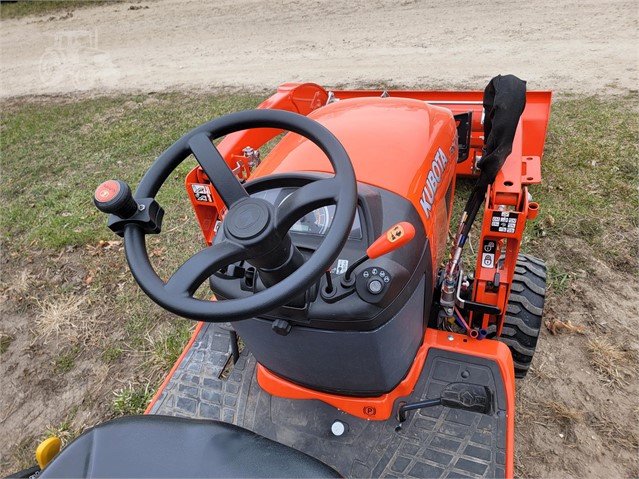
(379,135)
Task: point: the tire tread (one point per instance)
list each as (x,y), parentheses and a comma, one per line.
(523,319)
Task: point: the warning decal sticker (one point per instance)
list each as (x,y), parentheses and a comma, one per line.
(503,222)
(488,253)
(395,233)
(202,193)
(342,266)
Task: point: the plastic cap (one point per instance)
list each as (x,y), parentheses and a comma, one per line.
(114,196)
(47,450)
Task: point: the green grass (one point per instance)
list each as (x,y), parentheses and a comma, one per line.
(136,327)
(66,431)
(112,353)
(66,360)
(558,279)
(36,7)
(131,400)
(55,155)
(5,342)
(589,194)
(168,347)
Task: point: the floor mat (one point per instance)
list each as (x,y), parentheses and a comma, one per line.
(433,442)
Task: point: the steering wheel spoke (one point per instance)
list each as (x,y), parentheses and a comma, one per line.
(306,199)
(197,269)
(218,171)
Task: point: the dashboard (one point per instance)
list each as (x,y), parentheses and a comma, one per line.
(360,305)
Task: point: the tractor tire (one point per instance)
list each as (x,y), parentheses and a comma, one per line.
(522,322)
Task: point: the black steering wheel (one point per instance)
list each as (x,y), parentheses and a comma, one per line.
(254,229)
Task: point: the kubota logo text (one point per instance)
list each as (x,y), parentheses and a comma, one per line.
(432,181)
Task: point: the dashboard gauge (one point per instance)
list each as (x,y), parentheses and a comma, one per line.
(316,222)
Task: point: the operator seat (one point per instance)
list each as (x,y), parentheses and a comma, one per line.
(166,446)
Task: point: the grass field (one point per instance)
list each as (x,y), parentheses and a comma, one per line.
(77,312)
(38,7)
(54,155)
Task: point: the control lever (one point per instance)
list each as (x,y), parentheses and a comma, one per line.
(465,396)
(396,237)
(329,282)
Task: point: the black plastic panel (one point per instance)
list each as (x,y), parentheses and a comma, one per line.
(378,211)
(352,363)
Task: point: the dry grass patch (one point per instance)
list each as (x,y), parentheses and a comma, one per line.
(566,417)
(68,319)
(66,431)
(22,455)
(563,413)
(614,364)
(19,289)
(545,413)
(549,411)
(622,436)
(60,318)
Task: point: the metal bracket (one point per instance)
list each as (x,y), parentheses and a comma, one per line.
(464,122)
(468,305)
(331,98)
(148,217)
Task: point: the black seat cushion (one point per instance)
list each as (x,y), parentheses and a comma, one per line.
(164,446)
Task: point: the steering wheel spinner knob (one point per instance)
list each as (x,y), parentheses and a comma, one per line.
(114,197)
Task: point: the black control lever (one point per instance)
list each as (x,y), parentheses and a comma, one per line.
(115,197)
(469,397)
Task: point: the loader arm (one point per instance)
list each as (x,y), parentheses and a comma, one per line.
(508,205)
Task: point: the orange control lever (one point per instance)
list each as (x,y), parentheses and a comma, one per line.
(396,237)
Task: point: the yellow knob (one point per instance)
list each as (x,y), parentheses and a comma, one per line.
(47,450)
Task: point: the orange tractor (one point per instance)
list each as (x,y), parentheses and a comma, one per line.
(368,351)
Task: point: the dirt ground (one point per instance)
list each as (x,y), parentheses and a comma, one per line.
(577,410)
(570,46)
